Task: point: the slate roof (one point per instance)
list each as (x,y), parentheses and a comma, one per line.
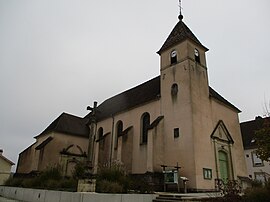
(248,130)
(139,95)
(215,95)
(179,33)
(68,124)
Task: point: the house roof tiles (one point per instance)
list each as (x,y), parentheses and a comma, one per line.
(248,130)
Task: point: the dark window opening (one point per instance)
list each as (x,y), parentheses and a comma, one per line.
(176,132)
(119,130)
(144,128)
(197,55)
(174,89)
(100,133)
(173,57)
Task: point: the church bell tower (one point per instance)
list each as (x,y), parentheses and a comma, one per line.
(184,96)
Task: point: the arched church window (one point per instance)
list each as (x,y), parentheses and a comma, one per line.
(145,123)
(197,55)
(173,57)
(100,138)
(100,133)
(174,89)
(119,130)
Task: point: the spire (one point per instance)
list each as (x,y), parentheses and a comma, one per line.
(179,33)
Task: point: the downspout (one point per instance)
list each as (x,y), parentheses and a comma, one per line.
(216,159)
(231,161)
(112,138)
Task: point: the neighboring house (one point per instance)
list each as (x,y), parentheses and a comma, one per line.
(63,143)
(256,168)
(5,168)
(173,120)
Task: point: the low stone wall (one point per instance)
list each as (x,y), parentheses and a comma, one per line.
(39,195)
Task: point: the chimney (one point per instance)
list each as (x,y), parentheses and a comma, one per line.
(1,152)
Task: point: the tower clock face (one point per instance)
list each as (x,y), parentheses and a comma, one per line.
(196,52)
(173,54)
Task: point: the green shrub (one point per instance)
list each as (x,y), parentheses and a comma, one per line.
(51,173)
(49,179)
(112,179)
(231,190)
(256,183)
(14,182)
(68,184)
(257,195)
(105,186)
(79,171)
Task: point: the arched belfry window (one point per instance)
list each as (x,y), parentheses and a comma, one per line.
(145,123)
(197,55)
(119,130)
(173,57)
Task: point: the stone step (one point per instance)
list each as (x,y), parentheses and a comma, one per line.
(185,197)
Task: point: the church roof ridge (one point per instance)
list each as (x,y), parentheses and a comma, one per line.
(179,33)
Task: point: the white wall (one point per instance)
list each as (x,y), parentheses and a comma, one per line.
(38,195)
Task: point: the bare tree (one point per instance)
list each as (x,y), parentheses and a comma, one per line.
(262,135)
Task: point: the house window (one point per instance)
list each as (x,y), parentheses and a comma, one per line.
(145,123)
(119,130)
(207,173)
(173,57)
(197,55)
(260,176)
(176,133)
(256,160)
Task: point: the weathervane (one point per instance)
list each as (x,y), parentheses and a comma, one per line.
(180,17)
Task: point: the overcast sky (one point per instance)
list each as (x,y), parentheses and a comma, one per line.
(61,55)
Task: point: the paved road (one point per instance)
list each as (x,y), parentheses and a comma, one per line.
(2,199)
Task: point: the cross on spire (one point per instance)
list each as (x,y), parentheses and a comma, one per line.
(180,17)
(180,7)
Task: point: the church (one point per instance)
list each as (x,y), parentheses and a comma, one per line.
(175,120)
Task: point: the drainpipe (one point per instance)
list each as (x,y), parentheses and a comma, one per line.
(112,138)
(231,162)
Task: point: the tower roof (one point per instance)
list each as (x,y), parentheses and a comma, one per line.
(179,33)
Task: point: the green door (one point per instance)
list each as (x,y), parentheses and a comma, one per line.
(223,166)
